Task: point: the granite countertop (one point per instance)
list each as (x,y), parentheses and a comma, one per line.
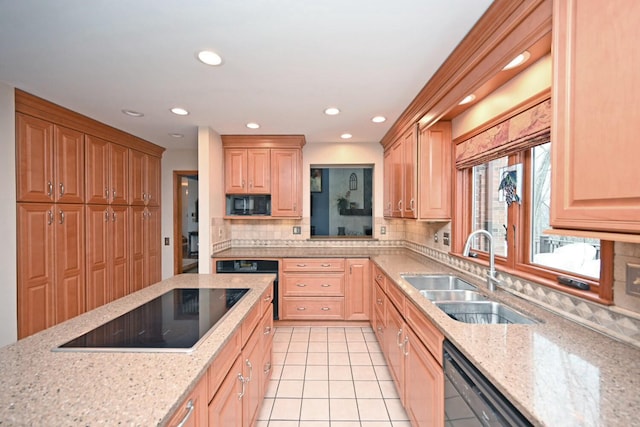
(44,388)
(556,372)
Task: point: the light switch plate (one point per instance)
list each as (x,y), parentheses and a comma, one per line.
(166,241)
(633,279)
(435,237)
(297,229)
(445,238)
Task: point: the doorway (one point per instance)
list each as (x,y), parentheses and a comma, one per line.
(185,222)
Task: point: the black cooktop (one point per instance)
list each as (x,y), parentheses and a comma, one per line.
(174,321)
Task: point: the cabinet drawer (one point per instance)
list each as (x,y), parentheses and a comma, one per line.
(396,296)
(295,285)
(379,276)
(424,329)
(250,323)
(321,308)
(379,301)
(313,264)
(222,363)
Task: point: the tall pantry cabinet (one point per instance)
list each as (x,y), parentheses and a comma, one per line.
(75,234)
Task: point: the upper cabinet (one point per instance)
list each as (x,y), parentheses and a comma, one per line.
(400,167)
(107,169)
(595,116)
(434,170)
(50,161)
(269,167)
(144,178)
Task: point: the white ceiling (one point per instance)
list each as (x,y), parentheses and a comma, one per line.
(285,61)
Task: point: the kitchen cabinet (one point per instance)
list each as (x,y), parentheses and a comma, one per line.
(144,247)
(434,169)
(144,179)
(595,83)
(247,171)
(107,256)
(194,410)
(107,172)
(401,171)
(51,268)
(312,289)
(286,178)
(50,162)
(394,345)
(357,289)
(225,409)
(387,196)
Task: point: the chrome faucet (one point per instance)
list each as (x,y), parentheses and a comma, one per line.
(491,276)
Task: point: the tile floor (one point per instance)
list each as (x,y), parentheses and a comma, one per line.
(330,377)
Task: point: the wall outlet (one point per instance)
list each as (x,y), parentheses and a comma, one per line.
(166,241)
(445,239)
(297,229)
(383,230)
(633,280)
(435,237)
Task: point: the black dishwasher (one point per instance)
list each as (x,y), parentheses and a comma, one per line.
(252,266)
(470,399)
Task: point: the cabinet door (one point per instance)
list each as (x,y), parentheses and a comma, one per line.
(69,165)
(97,259)
(194,411)
(235,171)
(286,183)
(153,247)
(226,407)
(119,252)
(424,398)
(435,172)
(358,289)
(36,307)
(137,176)
(252,359)
(258,171)
(119,174)
(137,249)
(97,170)
(409,173)
(394,335)
(396,178)
(388,187)
(594,133)
(69,261)
(266,366)
(34,154)
(152,181)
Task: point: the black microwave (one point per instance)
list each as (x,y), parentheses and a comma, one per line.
(248,205)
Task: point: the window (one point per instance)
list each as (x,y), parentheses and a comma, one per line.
(507,192)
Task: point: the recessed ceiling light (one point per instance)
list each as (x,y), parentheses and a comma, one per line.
(209,57)
(332,111)
(518,60)
(179,111)
(132,113)
(467,99)
(176,135)
(346,136)
(379,119)
(253,125)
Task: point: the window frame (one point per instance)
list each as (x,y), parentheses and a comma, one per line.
(519,215)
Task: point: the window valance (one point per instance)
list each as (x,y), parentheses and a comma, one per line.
(524,130)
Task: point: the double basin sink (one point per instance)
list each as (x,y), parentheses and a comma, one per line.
(461,301)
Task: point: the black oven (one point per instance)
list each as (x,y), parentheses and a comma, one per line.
(252,266)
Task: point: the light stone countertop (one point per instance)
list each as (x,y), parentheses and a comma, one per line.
(39,387)
(556,372)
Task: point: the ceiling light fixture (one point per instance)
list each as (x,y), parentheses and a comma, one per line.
(253,125)
(379,119)
(133,113)
(332,111)
(346,136)
(179,111)
(518,60)
(209,57)
(176,135)
(467,99)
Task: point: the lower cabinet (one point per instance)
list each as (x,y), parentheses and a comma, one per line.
(393,345)
(226,407)
(193,412)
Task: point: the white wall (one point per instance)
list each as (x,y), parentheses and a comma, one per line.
(8,273)
(172,160)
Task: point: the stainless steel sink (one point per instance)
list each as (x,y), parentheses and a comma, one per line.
(453,295)
(483,312)
(436,282)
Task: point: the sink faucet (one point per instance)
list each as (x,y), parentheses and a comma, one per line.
(491,276)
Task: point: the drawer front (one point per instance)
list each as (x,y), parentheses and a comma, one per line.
(250,323)
(396,296)
(319,308)
(379,301)
(430,336)
(313,264)
(301,285)
(222,363)
(379,276)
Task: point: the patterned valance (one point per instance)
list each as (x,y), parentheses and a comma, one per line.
(524,130)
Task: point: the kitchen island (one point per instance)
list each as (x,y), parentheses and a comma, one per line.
(45,388)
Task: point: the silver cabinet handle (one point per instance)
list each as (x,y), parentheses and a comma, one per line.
(248,363)
(379,329)
(325,285)
(50,215)
(399,205)
(411,203)
(106,193)
(243,183)
(61,189)
(250,184)
(106,215)
(190,407)
(398,337)
(267,368)
(61,216)
(301,285)
(242,380)
(325,265)
(301,308)
(267,330)
(49,188)
(144,197)
(113,194)
(325,308)
(267,298)
(114,216)
(301,265)
(405,347)
(379,301)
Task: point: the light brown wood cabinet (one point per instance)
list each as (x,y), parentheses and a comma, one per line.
(247,171)
(286,178)
(594,171)
(144,178)
(387,196)
(51,272)
(50,161)
(357,289)
(400,167)
(434,170)
(144,247)
(194,411)
(107,172)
